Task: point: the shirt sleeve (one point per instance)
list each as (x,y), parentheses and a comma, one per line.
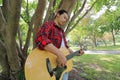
(42,36)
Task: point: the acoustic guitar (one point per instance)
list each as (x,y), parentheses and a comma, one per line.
(41,65)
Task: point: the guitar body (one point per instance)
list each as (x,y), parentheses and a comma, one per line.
(36,68)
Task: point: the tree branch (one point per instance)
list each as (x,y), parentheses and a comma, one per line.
(27,42)
(81,17)
(27,11)
(23,19)
(2,16)
(38,17)
(30,24)
(79,11)
(68,5)
(84,14)
(76,15)
(21,55)
(48,11)
(60,4)
(2,20)
(19,37)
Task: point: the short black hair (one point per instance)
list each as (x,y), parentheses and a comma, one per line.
(62,12)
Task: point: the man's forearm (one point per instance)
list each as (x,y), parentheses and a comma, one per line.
(70,50)
(51,48)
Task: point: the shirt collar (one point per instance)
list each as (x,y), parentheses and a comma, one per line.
(56,25)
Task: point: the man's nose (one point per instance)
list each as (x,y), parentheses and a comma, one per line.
(65,21)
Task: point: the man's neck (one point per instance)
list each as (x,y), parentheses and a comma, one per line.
(56,22)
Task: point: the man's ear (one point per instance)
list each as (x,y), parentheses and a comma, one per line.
(57,14)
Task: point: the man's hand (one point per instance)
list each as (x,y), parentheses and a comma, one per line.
(61,60)
(81,52)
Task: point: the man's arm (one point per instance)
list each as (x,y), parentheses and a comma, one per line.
(70,50)
(81,51)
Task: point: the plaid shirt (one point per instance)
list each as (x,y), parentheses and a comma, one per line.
(50,33)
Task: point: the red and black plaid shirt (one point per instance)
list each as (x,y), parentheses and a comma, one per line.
(50,33)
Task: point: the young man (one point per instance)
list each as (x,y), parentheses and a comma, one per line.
(51,37)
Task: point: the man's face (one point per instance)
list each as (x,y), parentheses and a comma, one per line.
(62,19)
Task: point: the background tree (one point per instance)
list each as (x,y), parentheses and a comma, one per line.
(111,19)
(9,22)
(97,26)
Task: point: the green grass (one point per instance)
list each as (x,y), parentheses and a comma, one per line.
(98,66)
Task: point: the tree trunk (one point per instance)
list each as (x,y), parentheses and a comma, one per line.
(68,5)
(113,37)
(10,17)
(38,17)
(94,40)
(4,63)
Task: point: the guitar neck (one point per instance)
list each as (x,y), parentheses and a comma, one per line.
(72,55)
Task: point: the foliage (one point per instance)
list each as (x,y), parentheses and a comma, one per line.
(23,29)
(101,3)
(77,37)
(21,75)
(0,2)
(98,27)
(28,9)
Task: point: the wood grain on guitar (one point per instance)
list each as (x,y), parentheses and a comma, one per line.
(41,65)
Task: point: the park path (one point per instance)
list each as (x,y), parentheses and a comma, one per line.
(102,52)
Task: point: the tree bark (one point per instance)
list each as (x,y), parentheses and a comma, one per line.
(4,62)
(37,18)
(11,14)
(112,31)
(49,10)
(68,5)
(2,21)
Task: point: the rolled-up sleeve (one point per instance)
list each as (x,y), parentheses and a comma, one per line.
(42,37)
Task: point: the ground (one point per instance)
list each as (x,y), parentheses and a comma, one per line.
(75,74)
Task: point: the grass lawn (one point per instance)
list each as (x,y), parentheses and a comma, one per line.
(98,66)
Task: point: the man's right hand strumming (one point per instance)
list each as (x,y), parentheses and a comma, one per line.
(61,60)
